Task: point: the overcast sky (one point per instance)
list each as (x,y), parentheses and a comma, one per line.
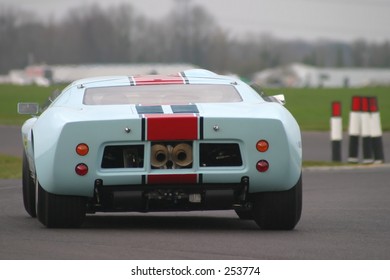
(344,20)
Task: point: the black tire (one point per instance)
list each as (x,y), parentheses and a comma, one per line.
(279,210)
(244,214)
(28,188)
(60,211)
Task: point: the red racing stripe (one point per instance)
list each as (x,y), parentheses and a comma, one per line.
(172,179)
(164,127)
(158,79)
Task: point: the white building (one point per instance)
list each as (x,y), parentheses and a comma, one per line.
(45,74)
(300,75)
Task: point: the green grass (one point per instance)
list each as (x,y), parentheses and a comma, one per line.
(309,163)
(10,167)
(312,107)
(10,95)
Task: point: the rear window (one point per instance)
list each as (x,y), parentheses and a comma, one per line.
(161,94)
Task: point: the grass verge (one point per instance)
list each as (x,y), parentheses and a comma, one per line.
(10,167)
(11,95)
(312,106)
(325,164)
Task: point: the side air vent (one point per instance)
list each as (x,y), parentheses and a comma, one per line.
(126,156)
(220,154)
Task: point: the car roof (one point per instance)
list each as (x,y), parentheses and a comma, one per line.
(188,77)
(193,76)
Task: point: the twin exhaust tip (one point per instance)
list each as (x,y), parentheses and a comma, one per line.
(171,156)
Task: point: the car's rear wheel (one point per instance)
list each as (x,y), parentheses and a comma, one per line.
(28,188)
(60,211)
(279,210)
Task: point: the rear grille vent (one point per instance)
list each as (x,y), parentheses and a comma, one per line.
(214,155)
(126,156)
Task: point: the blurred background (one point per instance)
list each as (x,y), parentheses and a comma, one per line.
(279,43)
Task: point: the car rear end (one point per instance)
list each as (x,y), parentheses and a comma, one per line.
(188,161)
(170,155)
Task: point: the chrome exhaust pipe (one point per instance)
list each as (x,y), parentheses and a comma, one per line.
(159,155)
(182,154)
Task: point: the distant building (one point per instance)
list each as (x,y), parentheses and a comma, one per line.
(300,75)
(63,74)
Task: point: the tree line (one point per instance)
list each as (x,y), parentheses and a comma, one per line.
(189,34)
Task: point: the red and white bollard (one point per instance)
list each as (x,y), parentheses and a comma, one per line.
(336,131)
(354,129)
(366,131)
(376,131)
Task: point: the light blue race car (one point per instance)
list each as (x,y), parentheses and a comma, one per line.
(191,141)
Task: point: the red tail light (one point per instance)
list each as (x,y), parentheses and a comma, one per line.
(81,169)
(262,165)
(82,149)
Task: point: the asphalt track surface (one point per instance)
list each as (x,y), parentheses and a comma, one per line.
(345,216)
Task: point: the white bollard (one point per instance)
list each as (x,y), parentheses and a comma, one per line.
(336,131)
(376,131)
(354,128)
(366,132)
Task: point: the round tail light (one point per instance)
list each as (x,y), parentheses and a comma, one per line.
(262,165)
(262,146)
(81,169)
(82,149)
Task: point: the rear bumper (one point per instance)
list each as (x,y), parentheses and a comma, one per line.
(167,197)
